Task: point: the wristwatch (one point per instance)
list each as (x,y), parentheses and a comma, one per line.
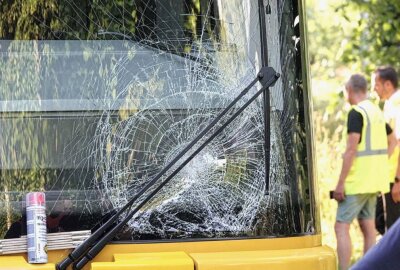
(397,179)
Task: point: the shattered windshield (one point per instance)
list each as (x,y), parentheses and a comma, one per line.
(97,97)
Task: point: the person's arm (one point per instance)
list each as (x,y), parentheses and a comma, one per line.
(392,141)
(395,192)
(348,158)
(396,186)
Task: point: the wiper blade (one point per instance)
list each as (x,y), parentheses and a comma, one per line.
(267,77)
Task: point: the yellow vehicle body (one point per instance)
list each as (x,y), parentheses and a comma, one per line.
(304,252)
(153,76)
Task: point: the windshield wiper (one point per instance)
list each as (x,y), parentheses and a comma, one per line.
(90,248)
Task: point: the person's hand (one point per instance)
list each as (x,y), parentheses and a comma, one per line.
(338,194)
(396,192)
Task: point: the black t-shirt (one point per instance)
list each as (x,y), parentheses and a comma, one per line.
(355,123)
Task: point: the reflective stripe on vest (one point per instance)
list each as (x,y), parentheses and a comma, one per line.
(368,151)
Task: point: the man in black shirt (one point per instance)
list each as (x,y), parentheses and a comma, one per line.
(355,124)
(365,169)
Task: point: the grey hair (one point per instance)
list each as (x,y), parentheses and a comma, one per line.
(357,83)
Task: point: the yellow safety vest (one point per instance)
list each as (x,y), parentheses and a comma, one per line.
(391,112)
(369,172)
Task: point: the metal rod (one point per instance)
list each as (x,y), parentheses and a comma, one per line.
(266,95)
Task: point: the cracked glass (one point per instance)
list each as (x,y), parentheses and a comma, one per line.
(97,97)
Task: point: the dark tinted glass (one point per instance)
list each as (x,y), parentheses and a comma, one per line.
(96,97)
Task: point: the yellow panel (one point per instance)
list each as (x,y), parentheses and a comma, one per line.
(107,254)
(180,255)
(148,261)
(211,246)
(19,263)
(318,258)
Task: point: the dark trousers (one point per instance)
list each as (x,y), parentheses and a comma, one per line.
(392,212)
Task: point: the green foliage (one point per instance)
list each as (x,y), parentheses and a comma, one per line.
(22,19)
(52,19)
(375,40)
(326,29)
(331,32)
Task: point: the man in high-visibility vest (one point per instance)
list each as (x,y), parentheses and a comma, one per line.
(386,83)
(364,171)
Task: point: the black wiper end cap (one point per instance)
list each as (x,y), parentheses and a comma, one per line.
(64,264)
(266,74)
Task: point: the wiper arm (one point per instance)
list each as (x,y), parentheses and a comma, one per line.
(267,77)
